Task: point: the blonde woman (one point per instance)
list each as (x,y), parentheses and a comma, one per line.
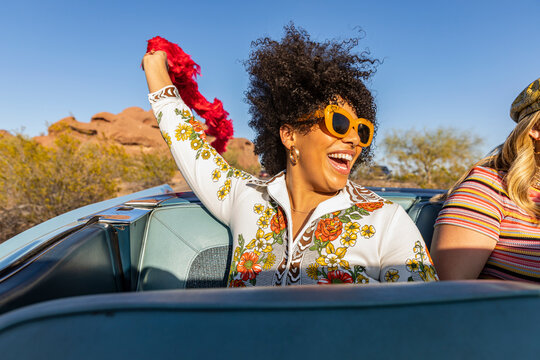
(489,226)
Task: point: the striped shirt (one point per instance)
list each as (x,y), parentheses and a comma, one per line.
(481,203)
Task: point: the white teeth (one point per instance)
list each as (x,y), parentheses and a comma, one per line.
(341,156)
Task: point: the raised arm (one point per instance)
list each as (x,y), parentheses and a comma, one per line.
(155,67)
(214,182)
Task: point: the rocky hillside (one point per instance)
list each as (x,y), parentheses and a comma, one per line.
(135,130)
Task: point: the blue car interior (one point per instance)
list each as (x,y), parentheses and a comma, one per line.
(129,282)
(154,251)
(446,320)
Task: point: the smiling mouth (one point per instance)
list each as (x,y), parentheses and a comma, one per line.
(341,162)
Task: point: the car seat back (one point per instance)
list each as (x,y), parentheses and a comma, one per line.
(184,247)
(424,215)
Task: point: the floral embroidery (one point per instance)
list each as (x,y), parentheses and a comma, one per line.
(269,212)
(167,138)
(236,283)
(392,275)
(183,132)
(197,126)
(371,206)
(269,261)
(361,279)
(351,227)
(196,144)
(237,254)
(278,222)
(260,248)
(412,265)
(313,271)
(205,154)
(342,225)
(421,266)
(192,130)
(261,243)
(328,229)
(237,173)
(348,239)
(249,266)
(367,231)
(263,222)
(337,277)
(223,192)
(216,174)
(333,257)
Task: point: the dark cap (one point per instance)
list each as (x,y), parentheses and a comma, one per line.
(527,102)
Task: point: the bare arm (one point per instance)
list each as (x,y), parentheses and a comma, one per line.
(460,253)
(155,68)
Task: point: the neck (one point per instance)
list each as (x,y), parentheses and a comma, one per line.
(302,197)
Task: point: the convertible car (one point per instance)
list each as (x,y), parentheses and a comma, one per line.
(143,276)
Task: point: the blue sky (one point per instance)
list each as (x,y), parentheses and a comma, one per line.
(446,63)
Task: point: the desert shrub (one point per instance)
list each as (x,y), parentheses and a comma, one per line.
(38,183)
(432,158)
(150,169)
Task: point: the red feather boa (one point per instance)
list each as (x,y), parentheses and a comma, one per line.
(183,70)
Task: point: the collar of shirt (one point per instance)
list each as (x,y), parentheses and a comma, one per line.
(351,194)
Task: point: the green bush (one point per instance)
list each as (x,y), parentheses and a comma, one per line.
(150,169)
(38,183)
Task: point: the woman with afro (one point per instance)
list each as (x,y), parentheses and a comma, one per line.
(314,119)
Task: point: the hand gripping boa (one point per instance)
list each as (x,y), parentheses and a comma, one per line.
(183,70)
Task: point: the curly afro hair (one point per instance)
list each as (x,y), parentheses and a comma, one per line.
(297,76)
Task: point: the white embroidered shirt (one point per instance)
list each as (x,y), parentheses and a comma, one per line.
(354,237)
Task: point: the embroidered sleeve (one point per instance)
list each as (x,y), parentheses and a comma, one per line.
(404,256)
(206,172)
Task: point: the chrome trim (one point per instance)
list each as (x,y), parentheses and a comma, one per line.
(24,243)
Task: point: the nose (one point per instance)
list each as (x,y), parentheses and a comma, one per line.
(352,137)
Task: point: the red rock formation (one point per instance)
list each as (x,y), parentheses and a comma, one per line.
(136,130)
(4,133)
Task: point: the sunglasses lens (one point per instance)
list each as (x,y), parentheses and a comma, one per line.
(363,133)
(340,123)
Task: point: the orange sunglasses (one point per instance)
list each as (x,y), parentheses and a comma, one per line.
(339,122)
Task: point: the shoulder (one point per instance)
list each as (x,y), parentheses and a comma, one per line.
(482,192)
(368,203)
(486,173)
(486,176)
(256,182)
(359,194)
(483,180)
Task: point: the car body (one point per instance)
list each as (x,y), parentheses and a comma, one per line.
(144,275)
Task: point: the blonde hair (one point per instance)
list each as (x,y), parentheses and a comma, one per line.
(516,158)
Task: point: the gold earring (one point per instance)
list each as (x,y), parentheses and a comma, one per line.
(294,154)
